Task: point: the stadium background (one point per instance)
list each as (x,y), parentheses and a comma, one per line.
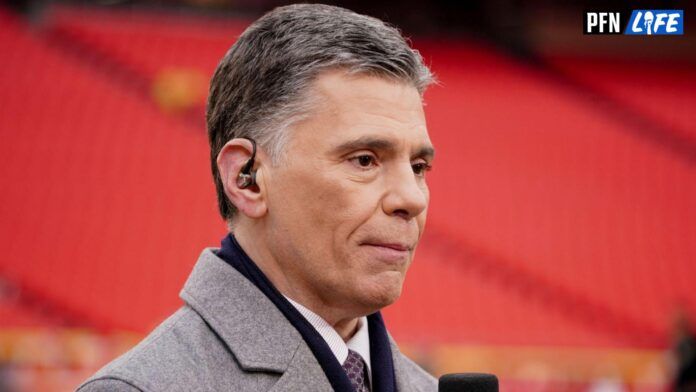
(560,250)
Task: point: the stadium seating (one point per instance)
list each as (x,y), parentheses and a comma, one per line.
(552,222)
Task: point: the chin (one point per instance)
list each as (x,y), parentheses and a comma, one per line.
(382,293)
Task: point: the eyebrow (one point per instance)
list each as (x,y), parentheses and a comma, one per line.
(376,143)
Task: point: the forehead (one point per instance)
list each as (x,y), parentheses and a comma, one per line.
(349,107)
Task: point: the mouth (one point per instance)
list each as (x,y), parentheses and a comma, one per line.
(390,253)
(395,246)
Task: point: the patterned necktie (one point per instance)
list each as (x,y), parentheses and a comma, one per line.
(356,370)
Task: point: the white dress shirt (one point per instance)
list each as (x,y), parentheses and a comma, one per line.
(359,342)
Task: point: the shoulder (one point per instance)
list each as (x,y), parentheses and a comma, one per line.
(419,379)
(409,375)
(182,353)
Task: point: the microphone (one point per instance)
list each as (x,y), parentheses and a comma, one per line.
(468,382)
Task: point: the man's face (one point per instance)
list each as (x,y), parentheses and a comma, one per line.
(348,203)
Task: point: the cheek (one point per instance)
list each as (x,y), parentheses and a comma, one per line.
(312,202)
(330,201)
(328,204)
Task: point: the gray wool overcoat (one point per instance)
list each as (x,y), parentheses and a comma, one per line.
(228,336)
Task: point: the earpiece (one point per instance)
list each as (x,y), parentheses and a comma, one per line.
(246,177)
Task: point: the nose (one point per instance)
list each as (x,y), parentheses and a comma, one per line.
(407,194)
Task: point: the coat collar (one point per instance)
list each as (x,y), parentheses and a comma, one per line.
(255,331)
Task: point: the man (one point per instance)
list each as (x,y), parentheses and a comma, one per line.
(319,151)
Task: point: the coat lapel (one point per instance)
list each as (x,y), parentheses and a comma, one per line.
(303,374)
(256,332)
(401,373)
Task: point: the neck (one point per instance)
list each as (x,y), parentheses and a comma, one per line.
(256,248)
(346,328)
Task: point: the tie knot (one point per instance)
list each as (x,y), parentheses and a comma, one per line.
(354,367)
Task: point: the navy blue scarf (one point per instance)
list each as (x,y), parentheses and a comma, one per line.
(380,350)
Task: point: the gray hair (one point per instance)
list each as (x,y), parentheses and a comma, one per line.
(260,88)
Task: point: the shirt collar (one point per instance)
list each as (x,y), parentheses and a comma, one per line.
(360,342)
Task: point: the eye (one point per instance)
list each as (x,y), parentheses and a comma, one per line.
(420,168)
(364,161)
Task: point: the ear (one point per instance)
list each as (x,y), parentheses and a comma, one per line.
(234,155)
